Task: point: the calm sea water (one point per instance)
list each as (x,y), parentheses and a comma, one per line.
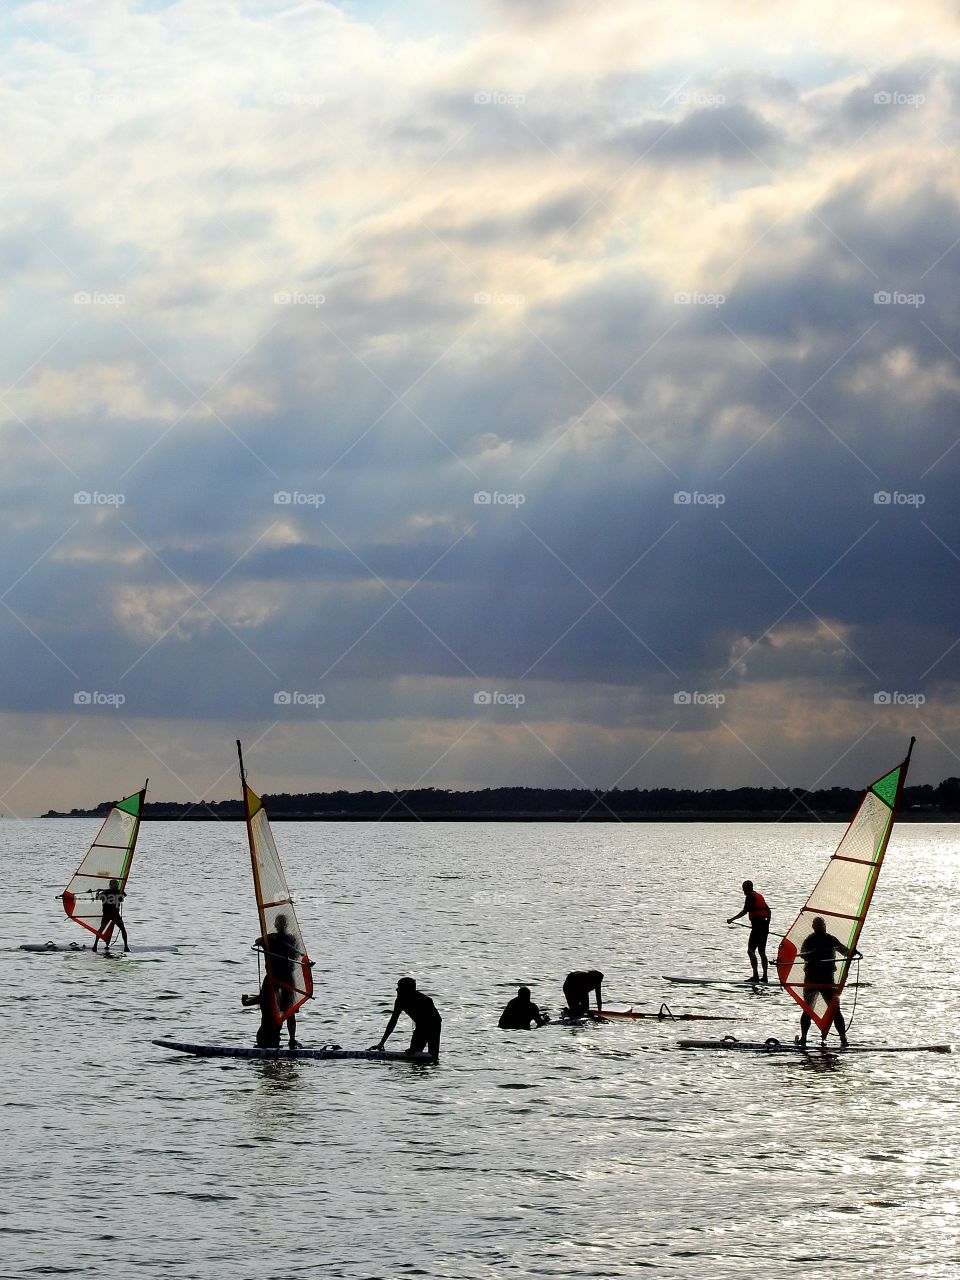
(593,1152)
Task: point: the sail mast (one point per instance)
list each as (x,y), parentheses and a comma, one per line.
(284,953)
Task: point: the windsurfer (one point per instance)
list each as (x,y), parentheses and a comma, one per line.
(278,990)
(111,899)
(576,989)
(818,954)
(520,1012)
(758,912)
(427,1022)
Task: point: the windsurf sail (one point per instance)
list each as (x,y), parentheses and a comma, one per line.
(108,858)
(842,897)
(284,952)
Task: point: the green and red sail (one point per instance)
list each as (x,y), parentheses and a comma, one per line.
(108,858)
(842,895)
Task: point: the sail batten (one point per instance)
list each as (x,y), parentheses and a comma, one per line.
(284,951)
(110,857)
(843,893)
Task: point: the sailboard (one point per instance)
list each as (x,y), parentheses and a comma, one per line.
(284,951)
(663,1014)
(323,1053)
(108,858)
(778,1046)
(842,896)
(75,948)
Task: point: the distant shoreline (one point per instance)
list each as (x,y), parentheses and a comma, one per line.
(524,818)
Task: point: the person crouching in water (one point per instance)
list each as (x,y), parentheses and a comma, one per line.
(520,1012)
(427,1022)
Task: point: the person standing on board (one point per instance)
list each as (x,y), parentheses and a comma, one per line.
(576,990)
(756,909)
(427,1022)
(111,899)
(818,953)
(520,1012)
(278,989)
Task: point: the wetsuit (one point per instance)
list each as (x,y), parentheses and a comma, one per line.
(427,1022)
(576,989)
(758,913)
(819,952)
(110,899)
(518,1015)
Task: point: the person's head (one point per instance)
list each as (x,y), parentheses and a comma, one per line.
(114,884)
(280,923)
(819,924)
(406,987)
(747,886)
(595,976)
(524,994)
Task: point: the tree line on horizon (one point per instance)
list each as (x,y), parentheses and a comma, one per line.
(550,802)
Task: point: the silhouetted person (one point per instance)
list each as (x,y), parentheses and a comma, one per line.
(576,990)
(278,991)
(520,1012)
(818,954)
(268,1033)
(111,899)
(426,1020)
(756,909)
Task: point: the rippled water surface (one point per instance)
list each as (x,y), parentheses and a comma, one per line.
(594,1152)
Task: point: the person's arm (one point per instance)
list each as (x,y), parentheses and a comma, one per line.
(746,908)
(599,998)
(394,1019)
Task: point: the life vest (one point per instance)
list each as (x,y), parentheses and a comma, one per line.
(758,909)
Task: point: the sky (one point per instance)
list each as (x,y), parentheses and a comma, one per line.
(477,395)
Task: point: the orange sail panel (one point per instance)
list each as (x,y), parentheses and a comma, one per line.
(108,858)
(285,954)
(842,897)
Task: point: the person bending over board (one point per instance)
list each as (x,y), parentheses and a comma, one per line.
(819,953)
(426,1020)
(756,909)
(111,899)
(520,1012)
(576,990)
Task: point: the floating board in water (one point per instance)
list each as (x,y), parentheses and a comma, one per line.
(737,984)
(779,1046)
(73,947)
(664,1014)
(327,1051)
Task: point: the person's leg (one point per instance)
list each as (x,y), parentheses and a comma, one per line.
(840,1023)
(434,1041)
(418,1041)
(763,934)
(752,953)
(101,929)
(292,1030)
(123,933)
